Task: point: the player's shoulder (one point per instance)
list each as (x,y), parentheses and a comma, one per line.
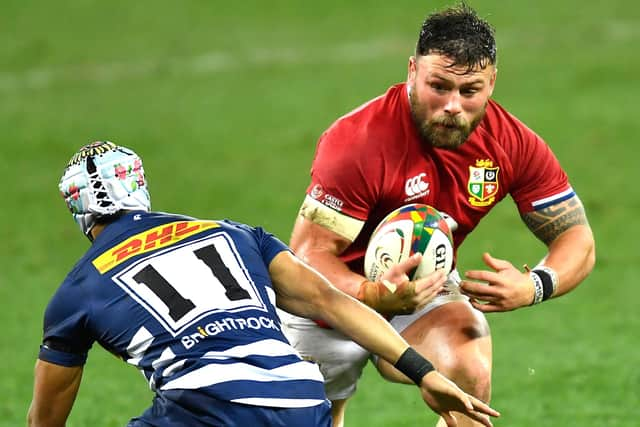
(219,225)
(81,274)
(369,121)
(253,237)
(381,104)
(236,226)
(497,116)
(503,125)
(240,230)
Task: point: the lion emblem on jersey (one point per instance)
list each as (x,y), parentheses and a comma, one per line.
(483,183)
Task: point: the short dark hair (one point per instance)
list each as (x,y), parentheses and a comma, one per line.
(459,34)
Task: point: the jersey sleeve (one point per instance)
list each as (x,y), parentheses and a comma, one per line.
(66,339)
(343,175)
(345,179)
(270,245)
(539,180)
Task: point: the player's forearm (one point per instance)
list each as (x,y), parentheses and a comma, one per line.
(54,391)
(36,420)
(48,412)
(299,287)
(302,291)
(334,269)
(572,256)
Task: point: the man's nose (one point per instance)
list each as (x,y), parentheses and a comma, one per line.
(453,106)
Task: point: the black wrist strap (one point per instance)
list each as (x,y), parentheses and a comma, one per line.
(413,365)
(546,281)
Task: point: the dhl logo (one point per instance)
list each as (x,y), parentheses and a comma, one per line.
(155,238)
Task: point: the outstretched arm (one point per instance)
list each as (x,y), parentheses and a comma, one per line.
(55,389)
(303,291)
(563,227)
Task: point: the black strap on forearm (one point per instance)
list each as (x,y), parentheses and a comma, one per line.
(413,365)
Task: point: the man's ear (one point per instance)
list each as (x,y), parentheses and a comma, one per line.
(492,81)
(412,69)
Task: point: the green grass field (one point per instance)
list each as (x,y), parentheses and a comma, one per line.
(225,101)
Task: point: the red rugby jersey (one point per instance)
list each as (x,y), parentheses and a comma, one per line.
(372,161)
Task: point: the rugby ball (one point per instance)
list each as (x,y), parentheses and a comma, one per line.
(405,231)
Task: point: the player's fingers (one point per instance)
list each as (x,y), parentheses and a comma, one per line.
(495,263)
(486,299)
(480,406)
(466,401)
(409,264)
(398,272)
(426,298)
(470,409)
(483,275)
(406,289)
(449,419)
(487,307)
(480,411)
(481,418)
(479,290)
(430,282)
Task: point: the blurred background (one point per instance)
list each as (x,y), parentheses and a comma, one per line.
(225,101)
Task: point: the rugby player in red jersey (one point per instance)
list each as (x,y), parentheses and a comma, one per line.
(438,139)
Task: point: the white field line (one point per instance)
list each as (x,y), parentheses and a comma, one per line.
(207,63)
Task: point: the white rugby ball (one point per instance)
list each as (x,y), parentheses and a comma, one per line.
(405,231)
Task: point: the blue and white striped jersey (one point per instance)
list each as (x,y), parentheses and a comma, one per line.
(188,302)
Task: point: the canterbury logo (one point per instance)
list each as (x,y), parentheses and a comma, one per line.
(416,186)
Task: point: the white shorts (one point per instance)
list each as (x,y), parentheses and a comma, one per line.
(341,360)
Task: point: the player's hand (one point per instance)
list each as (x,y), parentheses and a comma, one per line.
(444,397)
(504,289)
(405,296)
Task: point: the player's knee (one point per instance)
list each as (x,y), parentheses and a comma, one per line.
(472,374)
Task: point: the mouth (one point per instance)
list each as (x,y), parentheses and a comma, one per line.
(448,126)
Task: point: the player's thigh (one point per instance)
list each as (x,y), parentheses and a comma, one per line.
(341,360)
(450,332)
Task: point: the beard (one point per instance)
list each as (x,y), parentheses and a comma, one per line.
(448,132)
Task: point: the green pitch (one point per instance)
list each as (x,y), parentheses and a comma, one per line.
(225,100)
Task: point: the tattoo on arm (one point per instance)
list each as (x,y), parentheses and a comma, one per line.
(550,222)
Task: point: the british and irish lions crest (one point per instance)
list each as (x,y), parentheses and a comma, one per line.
(483,183)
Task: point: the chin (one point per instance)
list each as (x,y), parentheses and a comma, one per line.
(448,145)
(447,142)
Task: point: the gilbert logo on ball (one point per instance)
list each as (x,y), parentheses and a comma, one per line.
(410,229)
